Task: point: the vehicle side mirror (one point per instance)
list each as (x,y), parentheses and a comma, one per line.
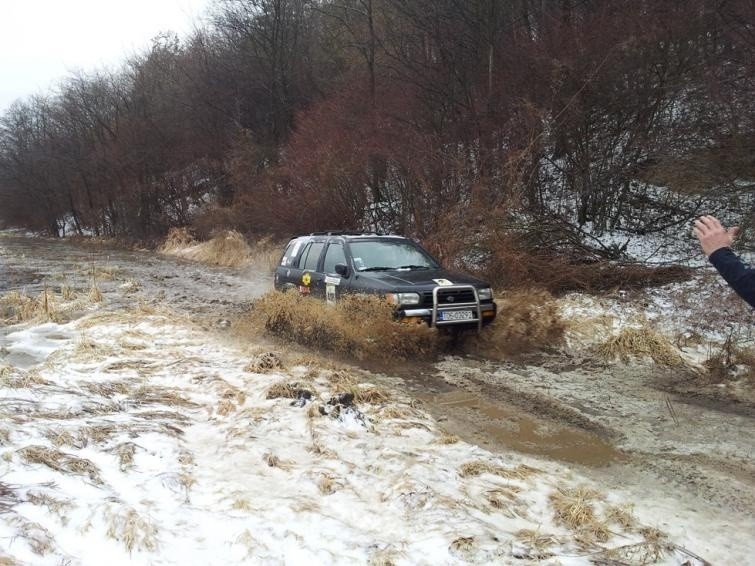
(342,269)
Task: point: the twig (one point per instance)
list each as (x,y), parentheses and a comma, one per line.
(671,410)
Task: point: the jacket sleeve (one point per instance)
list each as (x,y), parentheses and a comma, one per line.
(739,277)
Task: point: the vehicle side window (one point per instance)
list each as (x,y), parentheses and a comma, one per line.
(333,256)
(302,258)
(289,257)
(314,254)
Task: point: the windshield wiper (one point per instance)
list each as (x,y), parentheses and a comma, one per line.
(413,267)
(378,268)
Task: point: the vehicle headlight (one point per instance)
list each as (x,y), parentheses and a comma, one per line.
(485,294)
(403,298)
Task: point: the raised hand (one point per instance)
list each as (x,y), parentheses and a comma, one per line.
(712,235)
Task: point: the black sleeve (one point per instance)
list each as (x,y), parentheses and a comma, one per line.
(739,277)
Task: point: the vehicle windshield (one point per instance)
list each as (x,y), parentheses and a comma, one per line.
(389,255)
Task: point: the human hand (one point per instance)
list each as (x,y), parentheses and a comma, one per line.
(712,235)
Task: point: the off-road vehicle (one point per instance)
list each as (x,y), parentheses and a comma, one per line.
(330,264)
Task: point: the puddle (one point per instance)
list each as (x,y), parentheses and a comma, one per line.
(28,347)
(508,426)
(21,360)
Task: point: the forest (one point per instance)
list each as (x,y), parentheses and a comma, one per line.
(512,126)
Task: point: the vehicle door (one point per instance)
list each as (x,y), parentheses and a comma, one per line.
(283,272)
(332,285)
(308,267)
(288,272)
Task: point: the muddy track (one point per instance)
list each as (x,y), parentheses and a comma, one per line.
(640,428)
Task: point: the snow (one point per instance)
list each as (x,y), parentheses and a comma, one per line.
(221,474)
(698,314)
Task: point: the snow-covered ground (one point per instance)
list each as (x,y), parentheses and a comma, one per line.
(134,435)
(140,438)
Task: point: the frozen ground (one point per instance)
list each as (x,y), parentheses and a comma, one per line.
(139,431)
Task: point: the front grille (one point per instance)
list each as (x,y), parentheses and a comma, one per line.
(455,296)
(459,296)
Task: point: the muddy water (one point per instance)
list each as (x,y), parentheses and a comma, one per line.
(511,427)
(496,424)
(29,264)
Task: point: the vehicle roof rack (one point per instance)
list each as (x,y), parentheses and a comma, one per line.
(346,233)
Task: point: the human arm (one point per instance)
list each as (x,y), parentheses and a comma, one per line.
(716,243)
(739,277)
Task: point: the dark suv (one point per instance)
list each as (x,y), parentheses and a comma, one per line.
(330,264)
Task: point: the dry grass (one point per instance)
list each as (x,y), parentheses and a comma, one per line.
(733,359)
(60,461)
(478,467)
(358,325)
(343,382)
(527,320)
(462,544)
(134,531)
(125,451)
(392,412)
(288,389)
(241,504)
(225,407)
(328,484)
(369,394)
(386,557)
(99,432)
(274,461)
(265,254)
(67,293)
(60,437)
(95,295)
(106,272)
(574,508)
(16,307)
(108,389)
(39,538)
(186,481)
(620,515)
(8,497)
(54,504)
(537,543)
(233,394)
(265,362)
(650,551)
(227,249)
(130,286)
(641,342)
(88,349)
(177,239)
(25,380)
(502,497)
(320,450)
(149,395)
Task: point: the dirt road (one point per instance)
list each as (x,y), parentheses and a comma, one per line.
(615,423)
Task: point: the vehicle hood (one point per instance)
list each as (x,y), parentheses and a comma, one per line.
(418,278)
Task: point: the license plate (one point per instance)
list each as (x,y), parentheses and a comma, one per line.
(455,315)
